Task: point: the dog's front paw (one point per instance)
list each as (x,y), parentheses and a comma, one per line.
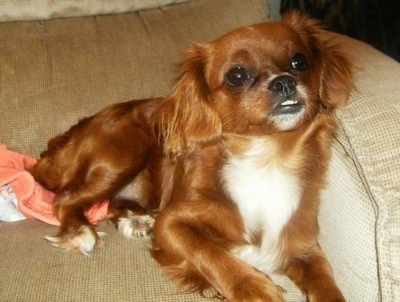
(83,241)
(136,226)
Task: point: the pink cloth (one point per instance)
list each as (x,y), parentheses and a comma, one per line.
(33,201)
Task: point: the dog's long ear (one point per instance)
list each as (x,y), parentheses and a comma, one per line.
(335,69)
(187,118)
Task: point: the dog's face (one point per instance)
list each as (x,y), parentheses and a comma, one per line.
(261,79)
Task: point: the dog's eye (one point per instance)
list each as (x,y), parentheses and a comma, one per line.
(299,62)
(238,76)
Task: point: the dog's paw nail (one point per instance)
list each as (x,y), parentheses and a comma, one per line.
(52,239)
(84,242)
(136,226)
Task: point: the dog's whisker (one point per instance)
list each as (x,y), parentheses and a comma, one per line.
(232,116)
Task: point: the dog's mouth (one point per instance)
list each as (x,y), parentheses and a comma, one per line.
(287,113)
(288,107)
(285,96)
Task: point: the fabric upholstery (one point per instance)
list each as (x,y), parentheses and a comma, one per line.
(18,10)
(54,72)
(360,212)
(61,70)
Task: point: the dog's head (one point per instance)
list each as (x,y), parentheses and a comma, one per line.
(256,80)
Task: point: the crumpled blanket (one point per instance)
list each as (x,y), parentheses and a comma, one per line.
(21,197)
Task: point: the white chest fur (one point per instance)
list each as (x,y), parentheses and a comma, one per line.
(267,195)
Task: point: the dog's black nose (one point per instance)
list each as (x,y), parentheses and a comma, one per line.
(284,85)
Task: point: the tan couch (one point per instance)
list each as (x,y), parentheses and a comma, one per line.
(55,71)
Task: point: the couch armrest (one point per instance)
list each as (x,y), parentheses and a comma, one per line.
(360,212)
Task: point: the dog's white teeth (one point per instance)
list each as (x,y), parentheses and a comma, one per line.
(289,103)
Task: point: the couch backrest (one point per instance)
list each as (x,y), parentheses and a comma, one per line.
(54,72)
(23,10)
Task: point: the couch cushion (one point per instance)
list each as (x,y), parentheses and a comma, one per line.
(18,10)
(55,72)
(361,206)
(58,71)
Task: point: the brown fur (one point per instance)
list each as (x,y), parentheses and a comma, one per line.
(177,149)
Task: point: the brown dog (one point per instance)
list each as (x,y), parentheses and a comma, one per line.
(233,163)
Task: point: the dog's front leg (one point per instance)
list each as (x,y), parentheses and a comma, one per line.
(187,251)
(75,232)
(313,274)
